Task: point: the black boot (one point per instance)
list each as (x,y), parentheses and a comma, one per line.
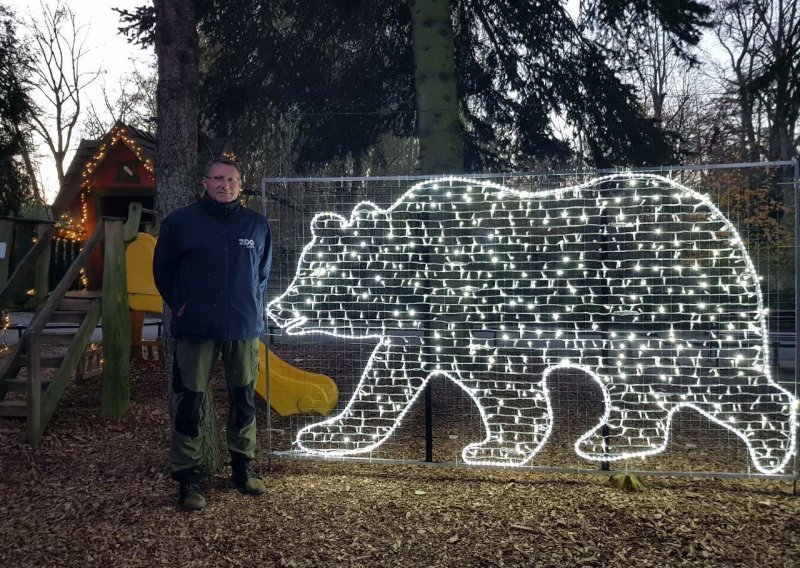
(190,492)
(244,478)
(190,497)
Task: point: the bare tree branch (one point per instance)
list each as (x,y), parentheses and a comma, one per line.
(58,45)
(134,104)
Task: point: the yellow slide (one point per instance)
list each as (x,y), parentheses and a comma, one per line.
(143,295)
(292,390)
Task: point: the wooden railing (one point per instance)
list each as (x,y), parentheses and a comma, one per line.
(41,405)
(43,314)
(45,311)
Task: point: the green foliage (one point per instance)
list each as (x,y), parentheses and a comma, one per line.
(748,203)
(35,210)
(343,71)
(681,19)
(628,482)
(15,107)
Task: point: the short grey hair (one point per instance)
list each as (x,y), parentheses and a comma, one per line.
(227,161)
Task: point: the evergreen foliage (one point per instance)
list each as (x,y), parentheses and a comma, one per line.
(15,108)
(344,70)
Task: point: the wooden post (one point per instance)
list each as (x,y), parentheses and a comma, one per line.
(13,292)
(131,226)
(6,238)
(33,426)
(41,280)
(116,322)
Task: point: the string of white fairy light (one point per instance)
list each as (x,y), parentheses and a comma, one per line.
(575,277)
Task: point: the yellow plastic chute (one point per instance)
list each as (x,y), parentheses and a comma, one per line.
(143,295)
(292,390)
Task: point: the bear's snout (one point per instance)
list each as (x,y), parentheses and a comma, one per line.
(282,315)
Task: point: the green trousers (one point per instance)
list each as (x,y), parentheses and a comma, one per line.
(191,373)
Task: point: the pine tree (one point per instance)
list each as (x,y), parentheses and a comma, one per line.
(15,109)
(349,72)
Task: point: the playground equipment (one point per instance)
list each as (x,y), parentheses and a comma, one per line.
(291,390)
(34,351)
(143,295)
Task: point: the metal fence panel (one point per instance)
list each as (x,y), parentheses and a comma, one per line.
(640,320)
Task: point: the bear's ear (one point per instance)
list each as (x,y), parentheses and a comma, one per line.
(364,210)
(328,225)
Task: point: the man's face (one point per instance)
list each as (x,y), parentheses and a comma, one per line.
(222,183)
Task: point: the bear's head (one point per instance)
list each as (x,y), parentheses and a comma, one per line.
(355,278)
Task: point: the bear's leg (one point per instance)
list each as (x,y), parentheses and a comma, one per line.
(761,415)
(390,383)
(517,418)
(636,424)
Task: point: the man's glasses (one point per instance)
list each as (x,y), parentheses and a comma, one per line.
(223,179)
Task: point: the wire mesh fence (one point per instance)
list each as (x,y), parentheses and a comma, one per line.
(638,320)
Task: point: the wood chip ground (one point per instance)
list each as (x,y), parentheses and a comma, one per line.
(97,493)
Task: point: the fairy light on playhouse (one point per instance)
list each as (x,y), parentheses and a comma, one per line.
(638,282)
(118,134)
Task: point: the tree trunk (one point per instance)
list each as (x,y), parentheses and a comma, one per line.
(29,169)
(749,146)
(176,46)
(782,148)
(439,125)
(59,160)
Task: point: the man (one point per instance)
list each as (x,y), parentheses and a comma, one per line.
(211,266)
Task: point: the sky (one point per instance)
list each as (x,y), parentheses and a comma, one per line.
(105,50)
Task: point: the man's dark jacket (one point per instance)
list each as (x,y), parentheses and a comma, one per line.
(214,259)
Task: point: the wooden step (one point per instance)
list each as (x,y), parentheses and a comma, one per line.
(14,408)
(47,361)
(75,304)
(67,316)
(83,294)
(50,337)
(19,384)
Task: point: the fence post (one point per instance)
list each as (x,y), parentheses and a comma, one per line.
(116,322)
(34,419)
(6,241)
(41,281)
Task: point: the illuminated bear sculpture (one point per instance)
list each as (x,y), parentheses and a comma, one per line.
(638,282)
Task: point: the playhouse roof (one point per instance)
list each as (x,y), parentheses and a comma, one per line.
(146,143)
